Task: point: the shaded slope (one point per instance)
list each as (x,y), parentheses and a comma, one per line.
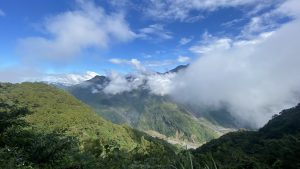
(276,145)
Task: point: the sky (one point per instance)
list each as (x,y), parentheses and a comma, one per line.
(40,38)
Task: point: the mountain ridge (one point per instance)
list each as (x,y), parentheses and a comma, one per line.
(45,127)
(146,111)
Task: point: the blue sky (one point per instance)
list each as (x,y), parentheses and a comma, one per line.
(69,36)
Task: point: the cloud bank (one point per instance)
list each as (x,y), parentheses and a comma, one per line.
(158,84)
(120,83)
(68,79)
(254,78)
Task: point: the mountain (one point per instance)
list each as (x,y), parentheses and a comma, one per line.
(276,145)
(147,112)
(45,127)
(141,109)
(177,69)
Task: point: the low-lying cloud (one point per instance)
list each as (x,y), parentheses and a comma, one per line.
(158,84)
(254,78)
(68,79)
(18,75)
(119,83)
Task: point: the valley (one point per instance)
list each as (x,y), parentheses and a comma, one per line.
(146,111)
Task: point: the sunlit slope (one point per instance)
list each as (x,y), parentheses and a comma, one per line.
(55,109)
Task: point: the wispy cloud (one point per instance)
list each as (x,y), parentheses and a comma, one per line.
(213,44)
(70,32)
(182,9)
(262,23)
(185,40)
(156,32)
(132,62)
(183,59)
(210,43)
(2,13)
(147,65)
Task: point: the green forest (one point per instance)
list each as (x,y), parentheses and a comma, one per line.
(144,111)
(42,126)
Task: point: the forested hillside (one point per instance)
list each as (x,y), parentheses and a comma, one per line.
(276,145)
(145,111)
(44,127)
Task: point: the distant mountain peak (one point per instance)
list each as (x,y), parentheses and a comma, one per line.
(178,69)
(99,79)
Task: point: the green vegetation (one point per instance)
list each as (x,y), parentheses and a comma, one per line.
(147,112)
(167,118)
(43,127)
(276,145)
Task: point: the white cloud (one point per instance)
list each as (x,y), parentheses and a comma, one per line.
(155,31)
(291,8)
(133,62)
(231,23)
(257,24)
(185,40)
(16,74)
(70,32)
(119,83)
(118,61)
(67,79)
(212,44)
(2,13)
(181,9)
(146,66)
(159,63)
(161,84)
(219,44)
(254,78)
(183,59)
